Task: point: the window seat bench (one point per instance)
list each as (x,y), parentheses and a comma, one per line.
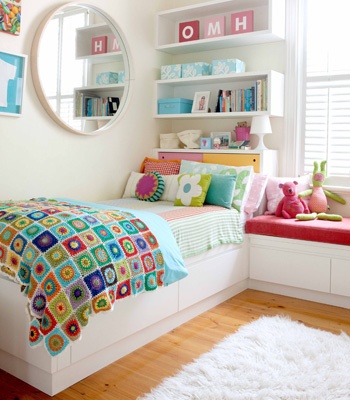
(303,259)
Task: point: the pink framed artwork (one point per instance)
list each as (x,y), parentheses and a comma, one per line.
(10,16)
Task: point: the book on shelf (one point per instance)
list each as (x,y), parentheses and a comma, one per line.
(113,105)
(92,105)
(253,98)
(240,144)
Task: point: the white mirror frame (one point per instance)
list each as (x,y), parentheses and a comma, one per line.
(126,59)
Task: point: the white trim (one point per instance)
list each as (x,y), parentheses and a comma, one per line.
(294,88)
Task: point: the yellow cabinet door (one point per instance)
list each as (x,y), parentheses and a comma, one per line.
(238,160)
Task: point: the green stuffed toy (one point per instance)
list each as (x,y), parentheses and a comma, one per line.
(318,197)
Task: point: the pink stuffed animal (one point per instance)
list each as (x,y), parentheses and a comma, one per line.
(290,205)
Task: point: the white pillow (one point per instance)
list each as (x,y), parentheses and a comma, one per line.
(171,186)
(130,187)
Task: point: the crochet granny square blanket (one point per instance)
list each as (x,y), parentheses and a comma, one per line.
(75,260)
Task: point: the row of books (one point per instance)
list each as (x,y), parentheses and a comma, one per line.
(91,105)
(253,98)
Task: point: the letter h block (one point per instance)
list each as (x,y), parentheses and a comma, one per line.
(242,22)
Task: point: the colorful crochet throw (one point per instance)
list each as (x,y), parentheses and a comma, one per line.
(73,261)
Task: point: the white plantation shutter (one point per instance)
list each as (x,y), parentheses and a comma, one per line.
(327,101)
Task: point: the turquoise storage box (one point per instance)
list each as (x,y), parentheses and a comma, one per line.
(121,77)
(174,106)
(172,71)
(106,78)
(229,66)
(191,70)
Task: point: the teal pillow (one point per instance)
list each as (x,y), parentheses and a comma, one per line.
(192,189)
(244,178)
(221,190)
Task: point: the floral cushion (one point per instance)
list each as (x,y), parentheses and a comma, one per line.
(243,181)
(192,189)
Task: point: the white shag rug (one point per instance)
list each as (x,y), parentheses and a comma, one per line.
(271,358)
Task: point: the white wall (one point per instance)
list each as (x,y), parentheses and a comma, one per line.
(39,158)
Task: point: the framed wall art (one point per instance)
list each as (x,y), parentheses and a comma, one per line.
(201,102)
(12,75)
(10,13)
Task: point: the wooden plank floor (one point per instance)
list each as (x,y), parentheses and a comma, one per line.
(145,368)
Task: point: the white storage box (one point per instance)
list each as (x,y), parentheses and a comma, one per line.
(169,141)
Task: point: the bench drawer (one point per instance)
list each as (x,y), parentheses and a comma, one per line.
(340,280)
(305,271)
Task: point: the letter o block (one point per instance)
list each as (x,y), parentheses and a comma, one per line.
(188,31)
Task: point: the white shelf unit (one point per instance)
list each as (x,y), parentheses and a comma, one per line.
(113,61)
(186,88)
(269,25)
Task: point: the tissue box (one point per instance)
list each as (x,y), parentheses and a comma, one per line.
(106,78)
(121,77)
(172,71)
(229,66)
(195,69)
(174,106)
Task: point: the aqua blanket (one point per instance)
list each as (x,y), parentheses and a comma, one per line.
(76,259)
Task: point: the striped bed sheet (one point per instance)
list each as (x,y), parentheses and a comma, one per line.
(196,229)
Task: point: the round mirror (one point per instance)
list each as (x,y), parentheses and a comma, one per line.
(81,68)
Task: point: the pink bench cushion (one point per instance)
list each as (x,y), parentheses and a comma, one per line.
(335,232)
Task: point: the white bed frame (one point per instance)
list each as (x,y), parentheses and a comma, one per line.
(134,321)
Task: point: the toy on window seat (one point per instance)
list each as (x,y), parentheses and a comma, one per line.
(290,205)
(318,204)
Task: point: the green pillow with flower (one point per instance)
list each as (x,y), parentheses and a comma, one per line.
(192,189)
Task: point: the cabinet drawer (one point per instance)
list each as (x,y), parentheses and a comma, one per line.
(238,160)
(163,155)
(340,278)
(305,271)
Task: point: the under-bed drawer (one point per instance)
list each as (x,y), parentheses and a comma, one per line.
(128,317)
(213,275)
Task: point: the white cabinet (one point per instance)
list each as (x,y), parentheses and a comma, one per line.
(263,161)
(269,26)
(96,63)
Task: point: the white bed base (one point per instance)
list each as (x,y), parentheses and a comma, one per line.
(134,321)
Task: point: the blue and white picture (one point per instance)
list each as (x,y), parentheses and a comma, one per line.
(12,75)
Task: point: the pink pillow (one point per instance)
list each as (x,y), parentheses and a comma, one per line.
(256,194)
(274,194)
(163,167)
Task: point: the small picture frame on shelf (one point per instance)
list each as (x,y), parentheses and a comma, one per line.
(201,102)
(206,143)
(224,137)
